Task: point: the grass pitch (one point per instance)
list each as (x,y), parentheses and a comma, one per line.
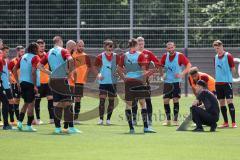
(113,142)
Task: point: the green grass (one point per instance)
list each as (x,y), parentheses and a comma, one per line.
(113,142)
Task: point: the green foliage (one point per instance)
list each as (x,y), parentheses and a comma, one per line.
(161,14)
(223,13)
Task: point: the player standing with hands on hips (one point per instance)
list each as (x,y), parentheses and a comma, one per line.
(172,62)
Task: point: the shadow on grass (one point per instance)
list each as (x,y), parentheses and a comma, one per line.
(55,134)
(190,131)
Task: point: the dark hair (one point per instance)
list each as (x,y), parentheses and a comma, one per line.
(193,71)
(18,48)
(40,41)
(202,83)
(217,43)
(170,42)
(5,47)
(132,43)
(32,48)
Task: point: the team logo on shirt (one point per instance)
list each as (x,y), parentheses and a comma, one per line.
(54,54)
(25,59)
(129,61)
(108,67)
(3,72)
(170,68)
(219,66)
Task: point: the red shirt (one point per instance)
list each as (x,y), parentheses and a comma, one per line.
(182,59)
(230,62)
(2,63)
(65,55)
(41,56)
(12,63)
(150,57)
(98,61)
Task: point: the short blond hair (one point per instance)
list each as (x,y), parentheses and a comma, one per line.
(80,41)
(70,43)
(140,39)
(57,39)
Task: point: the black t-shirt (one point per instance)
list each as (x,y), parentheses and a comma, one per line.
(210,102)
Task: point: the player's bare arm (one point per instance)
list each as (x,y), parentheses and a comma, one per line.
(43,69)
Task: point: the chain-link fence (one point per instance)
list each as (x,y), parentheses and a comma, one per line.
(190,23)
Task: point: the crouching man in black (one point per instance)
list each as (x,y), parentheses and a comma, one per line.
(205,110)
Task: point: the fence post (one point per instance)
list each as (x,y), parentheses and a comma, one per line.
(186,41)
(131,18)
(78,19)
(27,22)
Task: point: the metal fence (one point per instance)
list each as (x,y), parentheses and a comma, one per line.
(190,23)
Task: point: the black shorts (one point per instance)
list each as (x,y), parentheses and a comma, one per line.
(224,91)
(77,90)
(109,90)
(27,92)
(172,90)
(57,97)
(3,97)
(135,89)
(44,90)
(8,93)
(15,91)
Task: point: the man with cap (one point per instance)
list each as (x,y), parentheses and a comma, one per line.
(205,109)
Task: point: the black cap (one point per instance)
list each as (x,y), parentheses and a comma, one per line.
(202,83)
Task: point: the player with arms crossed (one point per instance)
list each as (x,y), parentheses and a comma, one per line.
(82,66)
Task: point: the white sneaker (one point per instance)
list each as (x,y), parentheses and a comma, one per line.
(175,123)
(108,122)
(100,122)
(51,121)
(76,122)
(167,123)
(39,122)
